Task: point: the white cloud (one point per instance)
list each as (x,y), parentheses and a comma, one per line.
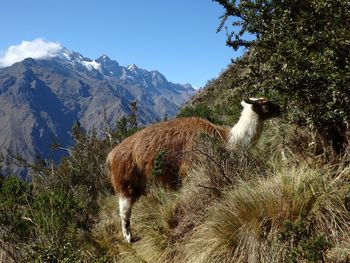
(38,48)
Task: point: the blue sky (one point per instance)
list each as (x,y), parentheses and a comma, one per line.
(177,38)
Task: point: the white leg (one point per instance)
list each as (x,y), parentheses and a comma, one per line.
(125,206)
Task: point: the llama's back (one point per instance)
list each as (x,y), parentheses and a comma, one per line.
(172,137)
(134,157)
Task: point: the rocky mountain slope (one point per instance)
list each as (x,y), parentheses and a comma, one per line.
(41,99)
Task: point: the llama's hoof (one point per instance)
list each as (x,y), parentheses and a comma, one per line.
(127,237)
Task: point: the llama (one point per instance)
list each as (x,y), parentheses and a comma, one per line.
(130,164)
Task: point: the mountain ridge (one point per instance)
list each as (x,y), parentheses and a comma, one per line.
(42,98)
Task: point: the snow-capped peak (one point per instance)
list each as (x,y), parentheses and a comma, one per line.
(133,67)
(103,59)
(77,58)
(90,65)
(65,54)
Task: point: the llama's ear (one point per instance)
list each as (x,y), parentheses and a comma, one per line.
(244,103)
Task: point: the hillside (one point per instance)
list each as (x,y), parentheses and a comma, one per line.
(221,96)
(284,199)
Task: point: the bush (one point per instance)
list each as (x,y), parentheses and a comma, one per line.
(305,243)
(15,195)
(61,204)
(299,53)
(201,111)
(53,213)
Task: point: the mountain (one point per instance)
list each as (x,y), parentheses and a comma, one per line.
(42,98)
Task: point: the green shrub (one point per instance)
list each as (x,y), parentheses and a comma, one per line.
(299,52)
(305,243)
(67,251)
(201,111)
(159,162)
(15,195)
(53,212)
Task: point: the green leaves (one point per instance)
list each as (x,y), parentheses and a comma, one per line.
(304,243)
(201,111)
(14,196)
(159,162)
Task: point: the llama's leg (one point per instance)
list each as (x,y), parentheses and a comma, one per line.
(125,206)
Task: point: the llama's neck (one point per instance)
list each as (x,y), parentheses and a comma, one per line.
(247,130)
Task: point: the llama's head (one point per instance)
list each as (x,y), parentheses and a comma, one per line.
(263,107)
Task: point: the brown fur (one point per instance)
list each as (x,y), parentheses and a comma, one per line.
(130,163)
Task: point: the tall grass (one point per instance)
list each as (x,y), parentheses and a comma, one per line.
(250,222)
(273,204)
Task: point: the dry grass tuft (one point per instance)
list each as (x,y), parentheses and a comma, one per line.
(107,234)
(246,225)
(340,253)
(154,218)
